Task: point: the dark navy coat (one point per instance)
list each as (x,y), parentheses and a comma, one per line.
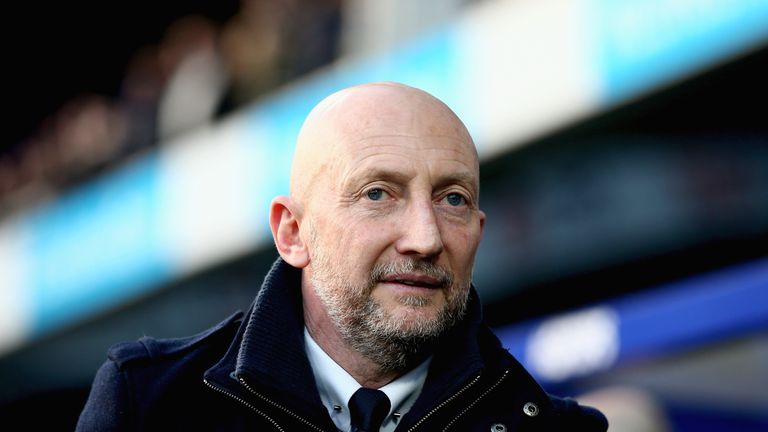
(251,373)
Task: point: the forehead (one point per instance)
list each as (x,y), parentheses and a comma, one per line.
(407,119)
(414,133)
(400,148)
(438,160)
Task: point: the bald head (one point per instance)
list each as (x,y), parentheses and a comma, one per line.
(349,120)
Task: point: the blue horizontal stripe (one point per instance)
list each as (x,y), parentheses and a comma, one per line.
(695,312)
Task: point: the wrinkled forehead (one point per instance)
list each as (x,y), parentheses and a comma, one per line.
(365,119)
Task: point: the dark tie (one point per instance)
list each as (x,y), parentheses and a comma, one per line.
(367,409)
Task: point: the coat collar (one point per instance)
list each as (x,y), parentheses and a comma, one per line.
(271,352)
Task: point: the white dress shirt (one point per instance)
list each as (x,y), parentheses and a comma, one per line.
(336,387)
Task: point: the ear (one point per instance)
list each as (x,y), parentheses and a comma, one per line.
(284,223)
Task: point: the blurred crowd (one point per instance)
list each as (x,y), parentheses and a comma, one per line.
(197,72)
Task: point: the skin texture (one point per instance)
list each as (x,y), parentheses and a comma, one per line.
(383,220)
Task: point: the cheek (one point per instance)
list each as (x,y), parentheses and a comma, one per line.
(460,246)
(357,246)
(367,236)
(463,240)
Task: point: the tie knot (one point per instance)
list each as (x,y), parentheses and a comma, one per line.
(367,409)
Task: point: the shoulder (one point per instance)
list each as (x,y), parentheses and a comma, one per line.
(561,413)
(137,375)
(569,413)
(149,349)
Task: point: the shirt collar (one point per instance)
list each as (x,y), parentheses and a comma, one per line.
(336,387)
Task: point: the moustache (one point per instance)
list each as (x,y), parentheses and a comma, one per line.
(382,271)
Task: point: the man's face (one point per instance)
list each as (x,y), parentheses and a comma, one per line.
(394,226)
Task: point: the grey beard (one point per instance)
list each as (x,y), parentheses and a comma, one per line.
(390,348)
(364,326)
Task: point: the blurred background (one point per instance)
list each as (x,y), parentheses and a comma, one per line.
(624,150)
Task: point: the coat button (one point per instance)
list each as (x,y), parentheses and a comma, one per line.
(530,409)
(498,427)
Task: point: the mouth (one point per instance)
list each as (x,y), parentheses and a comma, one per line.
(415,280)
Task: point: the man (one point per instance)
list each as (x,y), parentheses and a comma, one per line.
(372,290)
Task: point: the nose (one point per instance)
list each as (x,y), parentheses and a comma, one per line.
(420,232)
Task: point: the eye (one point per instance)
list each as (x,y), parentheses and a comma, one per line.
(455,199)
(375,194)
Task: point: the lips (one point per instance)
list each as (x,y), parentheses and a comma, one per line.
(415,280)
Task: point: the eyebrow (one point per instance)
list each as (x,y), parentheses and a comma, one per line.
(460,178)
(383,174)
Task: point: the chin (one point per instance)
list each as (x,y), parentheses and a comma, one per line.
(409,317)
